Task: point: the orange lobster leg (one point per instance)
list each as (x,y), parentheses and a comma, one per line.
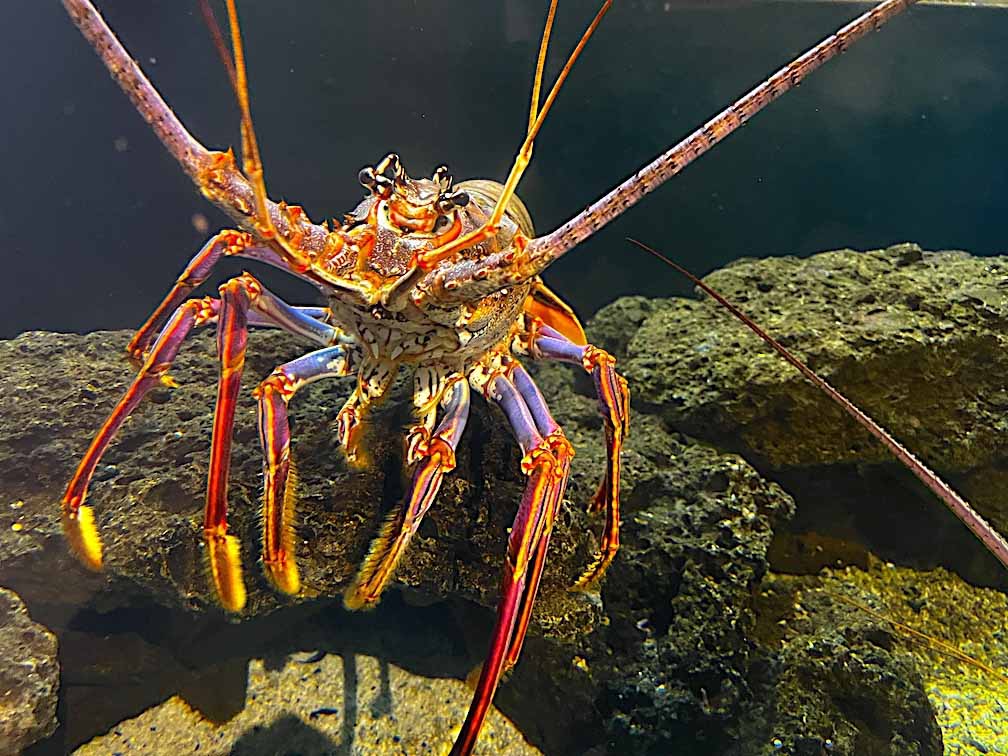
(546,463)
(232,337)
(373,381)
(552,437)
(436,453)
(564,452)
(614,405)
(225,243)
(279,474)
(78,518)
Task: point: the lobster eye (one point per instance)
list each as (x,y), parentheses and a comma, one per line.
(441,223)
(448,202)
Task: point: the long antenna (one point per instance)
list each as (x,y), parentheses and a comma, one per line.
(218,39)
(982,529)
(543,250)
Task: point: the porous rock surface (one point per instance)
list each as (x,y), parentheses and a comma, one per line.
(29,676)
(832,673)
(958,650)
(917,339)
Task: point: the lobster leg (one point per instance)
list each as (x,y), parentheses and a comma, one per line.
(435,453)
(232,337)
(279,475)
(614,405)
(549,429)
(237,296)
(78,518)
(227,243)
(546,462)
(373,381)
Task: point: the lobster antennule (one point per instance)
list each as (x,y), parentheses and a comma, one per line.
(540,65)
(972,519)
(218,40)
(427,260)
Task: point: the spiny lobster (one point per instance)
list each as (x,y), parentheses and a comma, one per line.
(441,276)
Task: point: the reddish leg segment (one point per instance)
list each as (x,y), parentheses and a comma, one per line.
(237,296)
(224,243)
(546,462)
(232,337)
(279,475)
(552,437)
(614,405)
(436,454)
(78,518)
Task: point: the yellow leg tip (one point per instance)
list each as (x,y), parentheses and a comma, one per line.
(225,565)
(82,535)
(472,679)
(356,598)
(591,577)
(285,576)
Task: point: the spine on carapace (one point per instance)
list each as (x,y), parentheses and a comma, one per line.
(547,248)
(173,135)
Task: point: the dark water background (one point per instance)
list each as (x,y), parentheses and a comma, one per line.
(903,138)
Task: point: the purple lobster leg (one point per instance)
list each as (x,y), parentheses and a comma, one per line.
(227,243)
(78,518)
(546,462)
(279,474)
(435,455)
(546,426)
(614,405)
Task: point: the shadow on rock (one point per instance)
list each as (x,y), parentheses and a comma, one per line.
(288,736)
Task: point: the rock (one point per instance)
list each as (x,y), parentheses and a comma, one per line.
(917,339)
(957,643)
(831,672)
(312,704)
(850,651)
(29,677)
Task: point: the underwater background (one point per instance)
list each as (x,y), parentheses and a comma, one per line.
(902,138)
(693,647)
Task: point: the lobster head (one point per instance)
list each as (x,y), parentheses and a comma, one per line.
(413,205)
